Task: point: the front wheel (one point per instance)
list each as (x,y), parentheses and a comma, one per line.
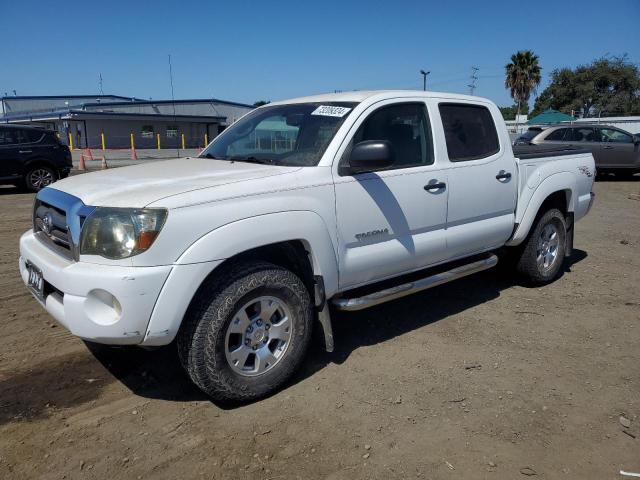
(39,177)
(246,332)
(543,254)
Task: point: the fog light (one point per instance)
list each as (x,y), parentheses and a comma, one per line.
(102,307)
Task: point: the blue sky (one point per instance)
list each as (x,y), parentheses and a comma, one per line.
(246,51)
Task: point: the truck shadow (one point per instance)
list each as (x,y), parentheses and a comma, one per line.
(157,374)
(353,330)
(44,388)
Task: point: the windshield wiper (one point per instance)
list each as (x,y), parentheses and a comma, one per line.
(263,161)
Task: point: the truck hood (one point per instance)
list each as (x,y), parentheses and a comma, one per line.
(139,185)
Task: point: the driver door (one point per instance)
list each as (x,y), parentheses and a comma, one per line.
(391,221)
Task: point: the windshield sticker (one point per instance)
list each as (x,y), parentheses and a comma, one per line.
(331,111)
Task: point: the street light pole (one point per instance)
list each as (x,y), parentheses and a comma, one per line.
(424,79)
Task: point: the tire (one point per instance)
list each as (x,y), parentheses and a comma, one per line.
(246,292)
(626,174)
(38,177)
(542,258)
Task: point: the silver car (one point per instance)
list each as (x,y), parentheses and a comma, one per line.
(613,149)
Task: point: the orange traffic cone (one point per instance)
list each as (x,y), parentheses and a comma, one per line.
(133,154)
(104,163)
(82,167)
(89,154)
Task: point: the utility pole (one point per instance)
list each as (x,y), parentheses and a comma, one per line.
(424,79)
(474,78)
(173,101)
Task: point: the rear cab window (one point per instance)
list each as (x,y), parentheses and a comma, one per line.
(469,131)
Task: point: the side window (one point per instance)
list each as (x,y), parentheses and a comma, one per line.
(469,131)
(32,136)
(50,138)
(584,134)
(615,136)
(557,135)
(406,127)
(8,136)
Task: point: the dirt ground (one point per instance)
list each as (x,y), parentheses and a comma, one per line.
(482,378)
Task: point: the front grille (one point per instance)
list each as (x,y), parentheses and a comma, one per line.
(50,226)
(58,219)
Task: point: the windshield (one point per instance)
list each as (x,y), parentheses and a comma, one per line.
(293,135)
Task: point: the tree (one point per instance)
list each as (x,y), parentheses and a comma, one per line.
(606,86)
(522,76)
(509,113)
(260,103)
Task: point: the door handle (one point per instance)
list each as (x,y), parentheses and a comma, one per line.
(25,151)
(503,176)
(435,186)
(608,147)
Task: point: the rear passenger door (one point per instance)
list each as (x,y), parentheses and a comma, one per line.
(482,179)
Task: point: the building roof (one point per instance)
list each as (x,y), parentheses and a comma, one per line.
(58,107)
(61,97)
(72,114)
(169,102)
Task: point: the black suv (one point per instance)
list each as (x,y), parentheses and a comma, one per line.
(32,158)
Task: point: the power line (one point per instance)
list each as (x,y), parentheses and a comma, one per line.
(474,79)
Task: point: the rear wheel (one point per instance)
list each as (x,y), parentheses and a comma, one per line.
(39,177)
(543,255)
(247,331)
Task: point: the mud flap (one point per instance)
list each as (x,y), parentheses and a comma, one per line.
(568,250)
(324,316)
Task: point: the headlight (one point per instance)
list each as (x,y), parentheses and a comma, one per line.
(117,233)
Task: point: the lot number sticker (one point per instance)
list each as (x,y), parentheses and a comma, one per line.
(330,111)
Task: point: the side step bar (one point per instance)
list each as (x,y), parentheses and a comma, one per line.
(403,290)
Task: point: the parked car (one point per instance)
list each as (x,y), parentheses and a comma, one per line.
(374,195)
(614,150)
(31,157)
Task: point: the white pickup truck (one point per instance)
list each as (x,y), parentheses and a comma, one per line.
(337,201)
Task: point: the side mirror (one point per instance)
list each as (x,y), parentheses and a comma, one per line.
(371,155)
(636,139)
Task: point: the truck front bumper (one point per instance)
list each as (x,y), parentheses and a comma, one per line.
(104,304)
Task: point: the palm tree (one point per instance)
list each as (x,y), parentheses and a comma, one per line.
(523,76)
